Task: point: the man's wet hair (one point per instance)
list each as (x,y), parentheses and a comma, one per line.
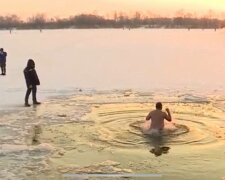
(158,105)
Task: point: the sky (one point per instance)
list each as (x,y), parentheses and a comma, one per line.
(65,8)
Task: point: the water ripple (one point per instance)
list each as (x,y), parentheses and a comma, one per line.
(121,124)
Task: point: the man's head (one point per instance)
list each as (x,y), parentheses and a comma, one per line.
(1,49)
(158,105)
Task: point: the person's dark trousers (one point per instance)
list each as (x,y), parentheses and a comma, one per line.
(3,68)
(34,91)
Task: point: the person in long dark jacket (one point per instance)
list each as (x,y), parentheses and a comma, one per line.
(3,55)
(32,82)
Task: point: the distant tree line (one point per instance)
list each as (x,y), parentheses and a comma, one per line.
(119,21)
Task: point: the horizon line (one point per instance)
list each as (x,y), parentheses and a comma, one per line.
(210,14)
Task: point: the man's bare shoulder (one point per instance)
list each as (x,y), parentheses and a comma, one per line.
(164,113)
(152,112)
(158,112)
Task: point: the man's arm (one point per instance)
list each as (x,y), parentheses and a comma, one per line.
(168,116)
(148,117)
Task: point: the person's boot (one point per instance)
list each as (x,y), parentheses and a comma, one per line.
(36,103)
(27,104)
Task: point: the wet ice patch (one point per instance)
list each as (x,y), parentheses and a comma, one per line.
(103,168)
(192,98)
(6,149)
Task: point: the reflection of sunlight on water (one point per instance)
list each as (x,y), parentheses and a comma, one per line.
(112,130)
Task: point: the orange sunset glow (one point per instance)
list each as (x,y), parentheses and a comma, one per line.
(65,8)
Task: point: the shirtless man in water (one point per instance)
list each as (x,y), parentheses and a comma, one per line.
(157,117)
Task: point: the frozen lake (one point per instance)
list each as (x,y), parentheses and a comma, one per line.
(142,59)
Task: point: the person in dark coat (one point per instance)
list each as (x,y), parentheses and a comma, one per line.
(3,55)
(32,81)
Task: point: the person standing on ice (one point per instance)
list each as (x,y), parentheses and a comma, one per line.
(3,55)
(32,81)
